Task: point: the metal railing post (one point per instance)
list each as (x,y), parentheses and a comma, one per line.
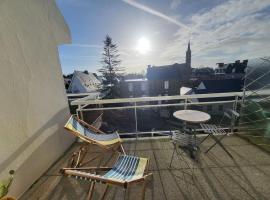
(233,117)
(81,112)
(136,122)
(186,101)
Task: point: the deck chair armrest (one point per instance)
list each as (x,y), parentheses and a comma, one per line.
(92,177)
(86,168)
(145,177)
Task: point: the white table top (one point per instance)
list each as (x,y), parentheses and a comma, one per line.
(192,116)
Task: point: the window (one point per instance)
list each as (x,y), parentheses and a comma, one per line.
(143,86)
(130,87)
(209,108)
(166,85)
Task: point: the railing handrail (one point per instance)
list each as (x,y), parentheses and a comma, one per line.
(85,100)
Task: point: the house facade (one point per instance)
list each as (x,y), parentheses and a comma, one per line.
(134,88)
(82,82)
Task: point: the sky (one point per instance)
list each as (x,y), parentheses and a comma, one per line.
(156,32)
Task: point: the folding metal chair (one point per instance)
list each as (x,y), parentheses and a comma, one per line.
(214,130)
(187,141)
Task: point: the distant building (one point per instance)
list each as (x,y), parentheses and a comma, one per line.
(134,88)
(217,86)
(84,83)
(235,69)
(168,79)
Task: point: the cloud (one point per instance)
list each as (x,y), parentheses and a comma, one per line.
(156,13)
(235,29)
(175,3)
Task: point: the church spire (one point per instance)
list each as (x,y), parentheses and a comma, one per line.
(188,55)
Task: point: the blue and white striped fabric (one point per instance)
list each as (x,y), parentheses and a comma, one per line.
(74,125)
(127,168)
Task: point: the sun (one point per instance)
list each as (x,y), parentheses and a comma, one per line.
(143,45)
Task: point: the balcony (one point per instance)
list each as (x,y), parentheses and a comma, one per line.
(146,129)
(215,176)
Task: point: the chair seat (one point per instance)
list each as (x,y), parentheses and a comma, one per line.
(127,168)
(213,129)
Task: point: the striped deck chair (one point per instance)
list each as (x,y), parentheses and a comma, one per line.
(127,170)
(91,135)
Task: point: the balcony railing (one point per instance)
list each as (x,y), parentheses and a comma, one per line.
(136,106)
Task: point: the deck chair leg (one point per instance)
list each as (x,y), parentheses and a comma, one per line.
(84,153)
(91,191)
(143,190)
(174,149)
(104,193)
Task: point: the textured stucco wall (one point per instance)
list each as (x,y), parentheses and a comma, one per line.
(33,104)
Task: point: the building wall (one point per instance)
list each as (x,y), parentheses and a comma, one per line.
(136,89)
(76,86)
(156,87)
(33,102)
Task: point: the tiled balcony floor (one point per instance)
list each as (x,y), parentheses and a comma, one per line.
(216,176)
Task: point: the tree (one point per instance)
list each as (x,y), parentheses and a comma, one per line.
(110,70)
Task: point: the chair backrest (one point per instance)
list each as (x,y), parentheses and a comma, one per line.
(230,114)
(74,125)
(88,133)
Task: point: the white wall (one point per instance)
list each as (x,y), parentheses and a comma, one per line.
(33,104)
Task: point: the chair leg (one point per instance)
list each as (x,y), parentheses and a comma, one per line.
(204,139)
(91,191)
(84,153)
(104,193)
(218,141)
(143,190)
(174,149)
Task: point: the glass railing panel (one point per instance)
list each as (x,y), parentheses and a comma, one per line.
(255,112)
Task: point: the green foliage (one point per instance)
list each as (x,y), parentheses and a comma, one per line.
(5,184)
(110,70)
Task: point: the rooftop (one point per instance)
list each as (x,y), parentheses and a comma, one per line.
(215,176)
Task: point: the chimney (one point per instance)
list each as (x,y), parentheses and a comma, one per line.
(220,65)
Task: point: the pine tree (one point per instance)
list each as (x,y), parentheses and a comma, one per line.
(110,70)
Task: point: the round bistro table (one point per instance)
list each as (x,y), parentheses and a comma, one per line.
(192,117)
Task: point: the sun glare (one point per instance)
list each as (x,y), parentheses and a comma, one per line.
(143,45)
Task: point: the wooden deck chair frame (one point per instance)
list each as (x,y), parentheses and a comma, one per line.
(94,178)
(77,158)
(214,130)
